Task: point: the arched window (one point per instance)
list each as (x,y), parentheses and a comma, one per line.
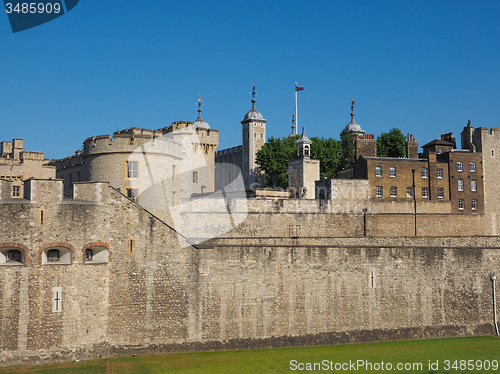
(89,254)
(98,253)
(14,255)
(53,255)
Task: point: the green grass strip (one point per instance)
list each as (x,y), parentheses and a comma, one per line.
(454,355)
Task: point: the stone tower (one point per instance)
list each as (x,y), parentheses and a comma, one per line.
(254,137)
(303,172)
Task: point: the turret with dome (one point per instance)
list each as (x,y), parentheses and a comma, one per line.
(199,122)
(352,126)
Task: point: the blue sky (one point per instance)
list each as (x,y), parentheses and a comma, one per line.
(425,67)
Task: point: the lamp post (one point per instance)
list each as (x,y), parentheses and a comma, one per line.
(414,200)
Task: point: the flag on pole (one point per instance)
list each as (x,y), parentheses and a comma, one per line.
(298,88)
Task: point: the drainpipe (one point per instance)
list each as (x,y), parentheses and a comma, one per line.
(364,221)
(493,277)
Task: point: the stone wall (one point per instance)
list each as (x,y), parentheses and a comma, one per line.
(258,286)
(487,142)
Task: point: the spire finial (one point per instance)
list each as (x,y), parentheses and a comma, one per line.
(199,102)
(352,107)
(253,93)
(293,122)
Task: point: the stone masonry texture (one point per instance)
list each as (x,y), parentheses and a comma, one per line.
(250,288)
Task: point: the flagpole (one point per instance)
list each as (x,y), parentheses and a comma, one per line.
(296,113)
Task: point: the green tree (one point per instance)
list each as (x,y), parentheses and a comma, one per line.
(273,158)
(347,140)
(391,144)
(329,153)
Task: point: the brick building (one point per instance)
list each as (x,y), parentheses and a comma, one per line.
(442,173)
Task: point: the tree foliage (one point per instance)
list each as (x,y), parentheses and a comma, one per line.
(334,155)
(273,158)
(348,147)
(329,153)
(391,144)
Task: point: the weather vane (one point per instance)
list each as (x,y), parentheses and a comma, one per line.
(199,102)
(253,93)
(352,106)
(293,122)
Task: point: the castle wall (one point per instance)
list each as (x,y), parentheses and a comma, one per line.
(258,286)
(276,218)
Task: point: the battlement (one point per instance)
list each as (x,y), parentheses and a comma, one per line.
(14,151)
(32,156)
(50,191)
(229,151)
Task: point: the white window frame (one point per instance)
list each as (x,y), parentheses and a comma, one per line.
(460,183)
(472,166)
(461,204)
(474,204)
(132,169)
(409,191)
(424,172)
(425,192)
(460,166)
(440,173)
(379,191)
(473,185)
(392,172)
(394,191)
(440,195)
(378,171)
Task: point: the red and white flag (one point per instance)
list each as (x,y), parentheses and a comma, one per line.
(298,88)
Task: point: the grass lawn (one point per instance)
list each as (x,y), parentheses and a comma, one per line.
(478,349)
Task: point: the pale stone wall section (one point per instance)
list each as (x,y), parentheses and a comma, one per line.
(488,142)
